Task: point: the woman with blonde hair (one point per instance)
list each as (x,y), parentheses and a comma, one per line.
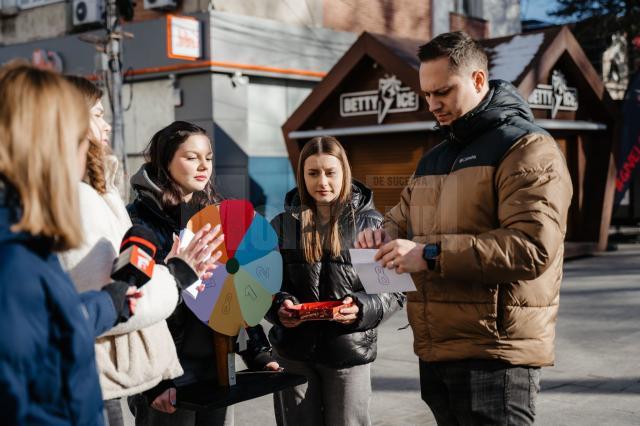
(138,354)
(47,364)
(322,217)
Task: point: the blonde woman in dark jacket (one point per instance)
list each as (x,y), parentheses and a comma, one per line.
(321,220)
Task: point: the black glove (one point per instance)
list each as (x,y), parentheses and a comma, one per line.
(118,292)
(182,272)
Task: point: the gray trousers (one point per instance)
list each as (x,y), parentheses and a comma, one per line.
(148,416)
(113,411)
(480,392)
(331,397)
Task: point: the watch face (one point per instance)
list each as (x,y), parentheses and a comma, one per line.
(431,251)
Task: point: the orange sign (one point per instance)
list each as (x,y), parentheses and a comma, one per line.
(183,38)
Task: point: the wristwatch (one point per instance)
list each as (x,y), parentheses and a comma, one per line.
(430,254)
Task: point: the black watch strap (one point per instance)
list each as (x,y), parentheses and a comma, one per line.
(430,255)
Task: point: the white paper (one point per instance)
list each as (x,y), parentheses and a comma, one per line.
(374,277)
(243,338)
(185,238)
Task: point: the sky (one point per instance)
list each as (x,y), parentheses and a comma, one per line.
(538,9)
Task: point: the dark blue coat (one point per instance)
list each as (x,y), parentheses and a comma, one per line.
(47,331)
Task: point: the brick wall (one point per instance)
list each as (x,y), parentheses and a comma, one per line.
(475,27)
(403,18)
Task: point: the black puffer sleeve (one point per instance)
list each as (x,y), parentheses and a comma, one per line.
(374,308)
(258,352)
(278,224)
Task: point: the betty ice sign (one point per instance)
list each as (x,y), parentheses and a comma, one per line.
(391,97)
(556,96)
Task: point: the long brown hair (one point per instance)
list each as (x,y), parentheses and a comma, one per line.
(313,243)
(160,152)
(97,150)
(42,122)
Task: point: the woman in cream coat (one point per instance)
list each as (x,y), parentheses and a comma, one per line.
(135,355)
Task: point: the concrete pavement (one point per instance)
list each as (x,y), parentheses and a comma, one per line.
(596,379)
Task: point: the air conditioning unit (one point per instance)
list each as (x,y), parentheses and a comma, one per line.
(160,4)
(88,12)
(8,7)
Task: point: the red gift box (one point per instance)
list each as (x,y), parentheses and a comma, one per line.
(318,310)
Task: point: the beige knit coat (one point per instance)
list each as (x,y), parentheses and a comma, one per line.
(135,355)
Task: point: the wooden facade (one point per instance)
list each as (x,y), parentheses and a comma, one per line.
(384,150)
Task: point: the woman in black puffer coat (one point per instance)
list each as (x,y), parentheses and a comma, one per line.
(321,220)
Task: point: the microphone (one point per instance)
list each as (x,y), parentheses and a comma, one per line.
(135,263)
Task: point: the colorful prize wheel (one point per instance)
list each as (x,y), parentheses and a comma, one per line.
(248,274)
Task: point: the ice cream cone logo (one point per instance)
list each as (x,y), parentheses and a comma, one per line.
(388,89)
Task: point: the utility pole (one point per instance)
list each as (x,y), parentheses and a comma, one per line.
(113,52)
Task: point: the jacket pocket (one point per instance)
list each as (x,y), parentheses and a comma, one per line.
(500,312)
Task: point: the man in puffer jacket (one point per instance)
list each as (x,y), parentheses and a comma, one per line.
(481,226)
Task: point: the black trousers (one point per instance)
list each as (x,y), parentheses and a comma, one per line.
(480,392)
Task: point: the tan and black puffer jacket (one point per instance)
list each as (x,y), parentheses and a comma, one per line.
(495,195)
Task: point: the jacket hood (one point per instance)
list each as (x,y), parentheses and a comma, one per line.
(361,199)
(501,103)
(142,184)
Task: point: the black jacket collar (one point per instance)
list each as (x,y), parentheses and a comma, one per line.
(501,103)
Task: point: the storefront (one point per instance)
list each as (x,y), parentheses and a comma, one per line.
(237,76)
(370,100)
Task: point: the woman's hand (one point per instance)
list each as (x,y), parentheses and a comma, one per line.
(199,252)
(133,294)
(286,316)
(273,366)
(348,315)
(166,401)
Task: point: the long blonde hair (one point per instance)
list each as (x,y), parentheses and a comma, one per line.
(42,121)
(313,243)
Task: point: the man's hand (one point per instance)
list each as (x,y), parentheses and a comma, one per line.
(402,255)
(370,238)
(285,315)
(348,315)
(166,401)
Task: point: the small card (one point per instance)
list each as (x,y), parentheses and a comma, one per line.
(185,238)
(376,278)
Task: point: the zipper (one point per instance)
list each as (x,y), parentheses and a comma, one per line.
(499,313)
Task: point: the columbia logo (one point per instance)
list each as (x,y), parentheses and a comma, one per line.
(465,159)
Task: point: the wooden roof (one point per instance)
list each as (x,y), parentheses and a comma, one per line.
(523,59)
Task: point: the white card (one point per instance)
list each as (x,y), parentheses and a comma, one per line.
(374,277)
(185,238)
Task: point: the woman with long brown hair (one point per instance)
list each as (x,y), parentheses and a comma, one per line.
(177,181)
(138,354)
(321,220)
